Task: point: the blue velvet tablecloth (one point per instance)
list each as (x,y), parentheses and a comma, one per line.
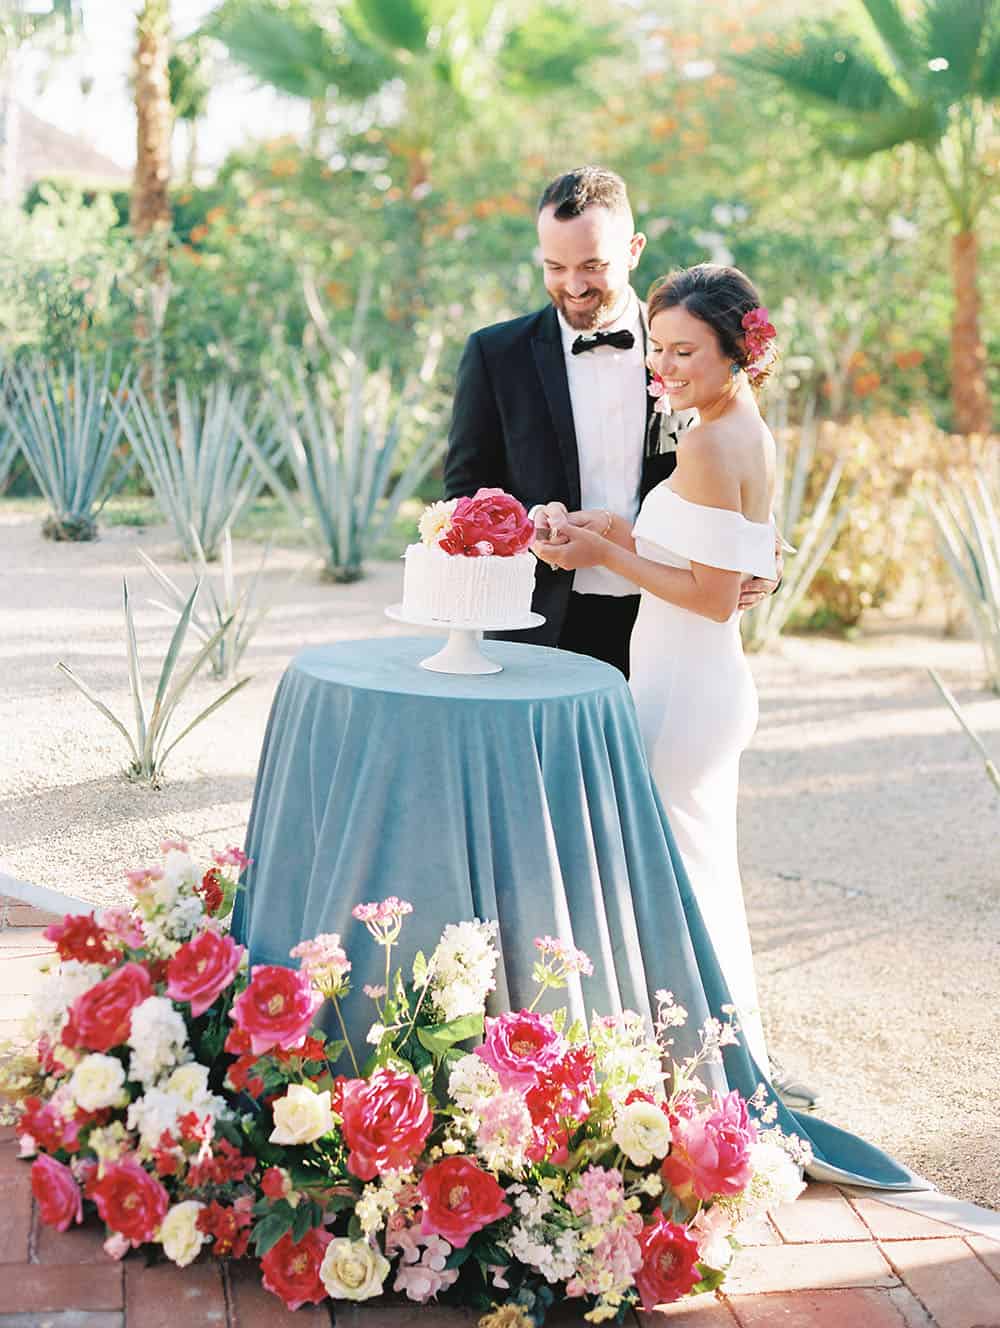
(522,797)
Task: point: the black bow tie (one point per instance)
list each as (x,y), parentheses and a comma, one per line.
(624,340)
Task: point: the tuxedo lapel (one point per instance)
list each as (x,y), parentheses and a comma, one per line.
(547,349)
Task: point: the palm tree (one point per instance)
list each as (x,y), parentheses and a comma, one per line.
(930,78)
(21,23)
(150,204)
(190,69)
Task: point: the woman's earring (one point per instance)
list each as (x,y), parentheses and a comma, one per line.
(734,369)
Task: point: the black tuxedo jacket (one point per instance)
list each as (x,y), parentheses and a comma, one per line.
(512,428)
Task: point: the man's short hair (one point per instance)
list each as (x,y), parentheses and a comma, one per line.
(587,186)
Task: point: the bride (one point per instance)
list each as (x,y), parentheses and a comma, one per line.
(696,537)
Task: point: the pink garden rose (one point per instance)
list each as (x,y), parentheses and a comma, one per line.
(459,1199)
(276,1009)
(102,1017)
(710,1154)
(60,1203)
(669,1263)
(291,1270)
(202,969)
(386,1122)
(521,1047)
(131,1201)
(490,522)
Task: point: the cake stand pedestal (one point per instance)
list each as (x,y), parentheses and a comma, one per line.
(461,653)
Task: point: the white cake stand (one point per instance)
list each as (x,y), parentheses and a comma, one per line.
(461,653)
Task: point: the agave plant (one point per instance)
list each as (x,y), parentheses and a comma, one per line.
(966,518)
(193,456)
(992,773)
(816,531)
(230,612)
(8,451)
(342,437)
(66,423)
(148,743)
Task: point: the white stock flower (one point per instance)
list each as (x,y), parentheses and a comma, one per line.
(61,985)
(471,1084)
(180,872)
(712,1229)
(301,1116)
(179,1234)
(190,1083)
(462,969)
(97,1082)
(353,1269)
(642,1132)
(158,1039)
(152,1114)
(776,1178)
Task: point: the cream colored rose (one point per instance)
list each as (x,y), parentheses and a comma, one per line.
(301,1116)
(353,1269)
(179,1234)
(642,1133)
(98,1081)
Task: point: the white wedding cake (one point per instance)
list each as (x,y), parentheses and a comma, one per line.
(472,565)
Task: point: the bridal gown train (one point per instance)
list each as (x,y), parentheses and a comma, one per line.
(697,708)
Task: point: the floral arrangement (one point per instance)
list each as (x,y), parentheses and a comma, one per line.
(198,1107)
(758,337)
(490,522)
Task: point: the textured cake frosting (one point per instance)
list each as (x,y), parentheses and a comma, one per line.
(451,589)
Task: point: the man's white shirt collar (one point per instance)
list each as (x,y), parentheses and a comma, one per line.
(630,319)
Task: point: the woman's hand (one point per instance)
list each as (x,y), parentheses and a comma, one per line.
(577,546)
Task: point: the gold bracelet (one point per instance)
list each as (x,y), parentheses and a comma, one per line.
(608,524)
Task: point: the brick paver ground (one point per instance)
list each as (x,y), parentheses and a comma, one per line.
(833,1259)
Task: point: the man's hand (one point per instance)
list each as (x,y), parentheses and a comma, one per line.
(759,587)
(550,519)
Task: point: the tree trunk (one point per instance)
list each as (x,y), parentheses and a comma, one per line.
(969,394)
(150,204)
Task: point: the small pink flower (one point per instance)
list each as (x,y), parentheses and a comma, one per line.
(231,857)
(173,846)
(656,387)
(122,922)
(116,1246)
(141,878)
(376,993)
(385,920)
(324,962)
(566,956)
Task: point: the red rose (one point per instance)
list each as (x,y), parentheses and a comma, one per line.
(710,1153)
(489,522)
(386,1122)
(459,1199)
(521,1047)
(60,1203)
(80,936)
(669,1263)
(130,1200)
(291,1271)
(277,1008)
(202,969)
(102,1017)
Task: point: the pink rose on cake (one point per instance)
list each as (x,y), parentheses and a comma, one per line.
(490,522)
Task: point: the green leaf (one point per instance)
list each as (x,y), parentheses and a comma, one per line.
(307,1216)
(419,969)
(830,70)
(711,1280)
(267,1233)
(899,41)
(400,24)
(956,31)
(439,1038)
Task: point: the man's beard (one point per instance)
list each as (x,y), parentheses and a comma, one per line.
(588,320)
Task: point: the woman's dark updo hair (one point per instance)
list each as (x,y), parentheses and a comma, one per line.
(719,296)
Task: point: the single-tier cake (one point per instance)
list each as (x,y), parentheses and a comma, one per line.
(473,564)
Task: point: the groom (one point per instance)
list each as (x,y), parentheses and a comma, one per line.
(553,407)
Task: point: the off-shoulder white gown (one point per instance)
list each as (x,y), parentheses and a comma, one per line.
(697,707)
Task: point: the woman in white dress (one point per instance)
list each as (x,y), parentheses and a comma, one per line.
(697,536)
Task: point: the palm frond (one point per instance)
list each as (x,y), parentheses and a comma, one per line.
(901,43)
(829,70)
(955,31)
(399,24)
(878,133)
(987,82)
(547,52)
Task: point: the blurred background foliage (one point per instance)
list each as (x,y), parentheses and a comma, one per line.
(434,124)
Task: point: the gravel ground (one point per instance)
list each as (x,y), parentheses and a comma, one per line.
(869,831)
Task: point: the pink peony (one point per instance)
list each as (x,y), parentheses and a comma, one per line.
(131,1201)
(710,1154)
(459,1199)
(102,1017)
(276,1009)
(202,969)
(60,1203)
(386,1122)
(521,1047)
(490,522)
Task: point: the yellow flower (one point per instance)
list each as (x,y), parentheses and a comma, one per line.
(353,1269)
(507,1316)
(436,521)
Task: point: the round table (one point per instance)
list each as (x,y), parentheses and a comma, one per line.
(521,797)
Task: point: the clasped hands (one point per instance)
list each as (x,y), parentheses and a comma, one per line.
(571,540)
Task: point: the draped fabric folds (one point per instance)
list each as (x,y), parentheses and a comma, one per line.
(521,797)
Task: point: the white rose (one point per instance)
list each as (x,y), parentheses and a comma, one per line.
(190,1083)
(97,1082)
(642,1133)
(353,1269)
(301,1116)
(179,1234)
(158,1039)
(775,1176)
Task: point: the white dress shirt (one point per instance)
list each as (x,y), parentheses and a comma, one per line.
(607,390)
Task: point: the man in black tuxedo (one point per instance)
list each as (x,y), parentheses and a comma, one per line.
(553,407)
